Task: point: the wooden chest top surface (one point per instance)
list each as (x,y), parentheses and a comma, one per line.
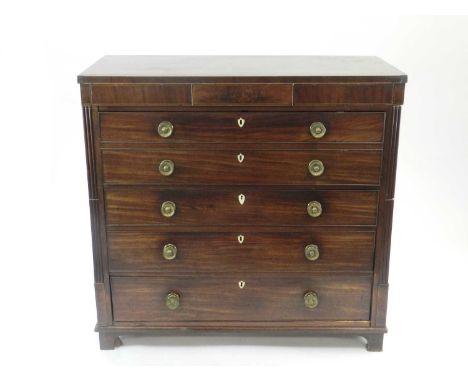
(133,69)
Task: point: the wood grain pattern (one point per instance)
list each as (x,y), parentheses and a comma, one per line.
(98,213)
(154,94)
(93,194)
(257,328)
(85,90)
(193,167)
(392,153)
(384,230)
(259,252)
(384,241)
(260,127)
(90,152)
(379,311)
(101,305)
(357,98)
(398,94)
(309,94)
(242,94)
(222,207)
(264,298)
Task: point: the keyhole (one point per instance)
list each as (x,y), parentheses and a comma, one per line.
(240,157)
(241,122)
(240,239)
(241,284)
(241,199)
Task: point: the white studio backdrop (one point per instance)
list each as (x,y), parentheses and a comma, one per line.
(48,310)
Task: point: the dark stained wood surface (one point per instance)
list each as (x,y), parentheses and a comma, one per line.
(222,207)
(251,95)
(224,69)
(259,251)
(277,297)
(259,127)
(384,229)
(216,167)
(154,94)
(242,94)
(124,99)
(308,94)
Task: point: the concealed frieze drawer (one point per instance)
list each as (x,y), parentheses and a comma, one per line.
(242,94)
(154,94)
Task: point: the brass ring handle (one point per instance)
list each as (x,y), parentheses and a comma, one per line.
(316,167)
(166,167)
(311,300)
(172,300)
(169,252)
(165,129)
(314,209)
(168,209)
(318,129)
(311,252)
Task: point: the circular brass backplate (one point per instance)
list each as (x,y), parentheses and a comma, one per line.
(169,252)
(318,129)
(316,167)
(312,252)
(314,209)
(168,209)
(166,167)
(165,129)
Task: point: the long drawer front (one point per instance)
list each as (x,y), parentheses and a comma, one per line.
(240,252)
(242,127)
(248,207)
(250,297)
(250,167)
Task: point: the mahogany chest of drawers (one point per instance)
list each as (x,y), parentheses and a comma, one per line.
(241,194)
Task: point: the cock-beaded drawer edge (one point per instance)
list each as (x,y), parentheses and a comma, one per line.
(372,86)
